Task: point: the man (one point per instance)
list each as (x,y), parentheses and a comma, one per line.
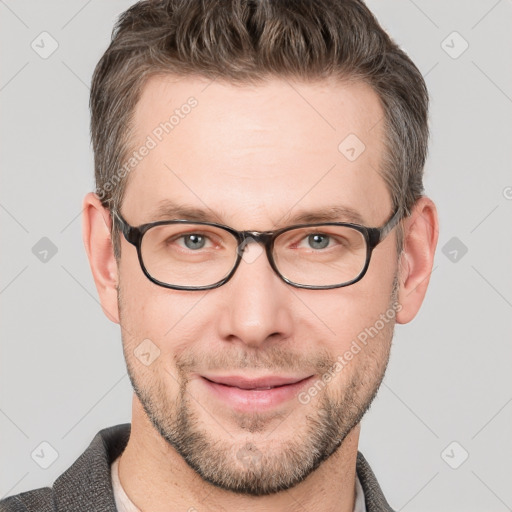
(258,228)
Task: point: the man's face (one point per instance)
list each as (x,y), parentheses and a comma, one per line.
(253,158)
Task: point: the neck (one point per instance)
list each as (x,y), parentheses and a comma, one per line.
(155,476)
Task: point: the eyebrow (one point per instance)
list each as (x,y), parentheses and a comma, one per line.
(169,210)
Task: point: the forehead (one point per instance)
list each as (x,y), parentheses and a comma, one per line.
(256,153)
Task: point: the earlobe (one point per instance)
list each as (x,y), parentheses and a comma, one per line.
(96,225)
(421,230)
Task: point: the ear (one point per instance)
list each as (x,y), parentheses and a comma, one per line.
(421,230)
(96,225)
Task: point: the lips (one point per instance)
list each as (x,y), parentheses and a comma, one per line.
(259,384)
(254,395)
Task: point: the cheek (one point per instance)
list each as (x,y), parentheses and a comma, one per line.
(171,319)
(347,312)
(363,352)
(145,307)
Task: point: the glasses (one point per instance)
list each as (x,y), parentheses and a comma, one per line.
(185,255)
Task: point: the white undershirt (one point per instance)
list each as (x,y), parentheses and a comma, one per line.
(124,504)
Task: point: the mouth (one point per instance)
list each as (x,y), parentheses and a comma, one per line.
(245,394)
(269,382)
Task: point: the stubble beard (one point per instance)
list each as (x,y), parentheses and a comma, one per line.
(259,462)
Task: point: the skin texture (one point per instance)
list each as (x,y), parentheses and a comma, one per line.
(253,157)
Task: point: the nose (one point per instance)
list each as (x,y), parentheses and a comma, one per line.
(256,306)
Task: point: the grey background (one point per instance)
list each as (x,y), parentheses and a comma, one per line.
(62,373)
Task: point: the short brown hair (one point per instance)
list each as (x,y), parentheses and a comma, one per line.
(247,41)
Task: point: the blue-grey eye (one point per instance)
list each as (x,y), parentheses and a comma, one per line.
(194,241)
(318,241)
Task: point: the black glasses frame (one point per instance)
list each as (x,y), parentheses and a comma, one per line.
(373,237)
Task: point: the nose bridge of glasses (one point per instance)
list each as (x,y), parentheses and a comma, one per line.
(261,237)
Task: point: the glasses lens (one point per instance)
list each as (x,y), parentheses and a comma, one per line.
(320,255)
(188,254)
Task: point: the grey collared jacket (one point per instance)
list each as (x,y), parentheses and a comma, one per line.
(87,486)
